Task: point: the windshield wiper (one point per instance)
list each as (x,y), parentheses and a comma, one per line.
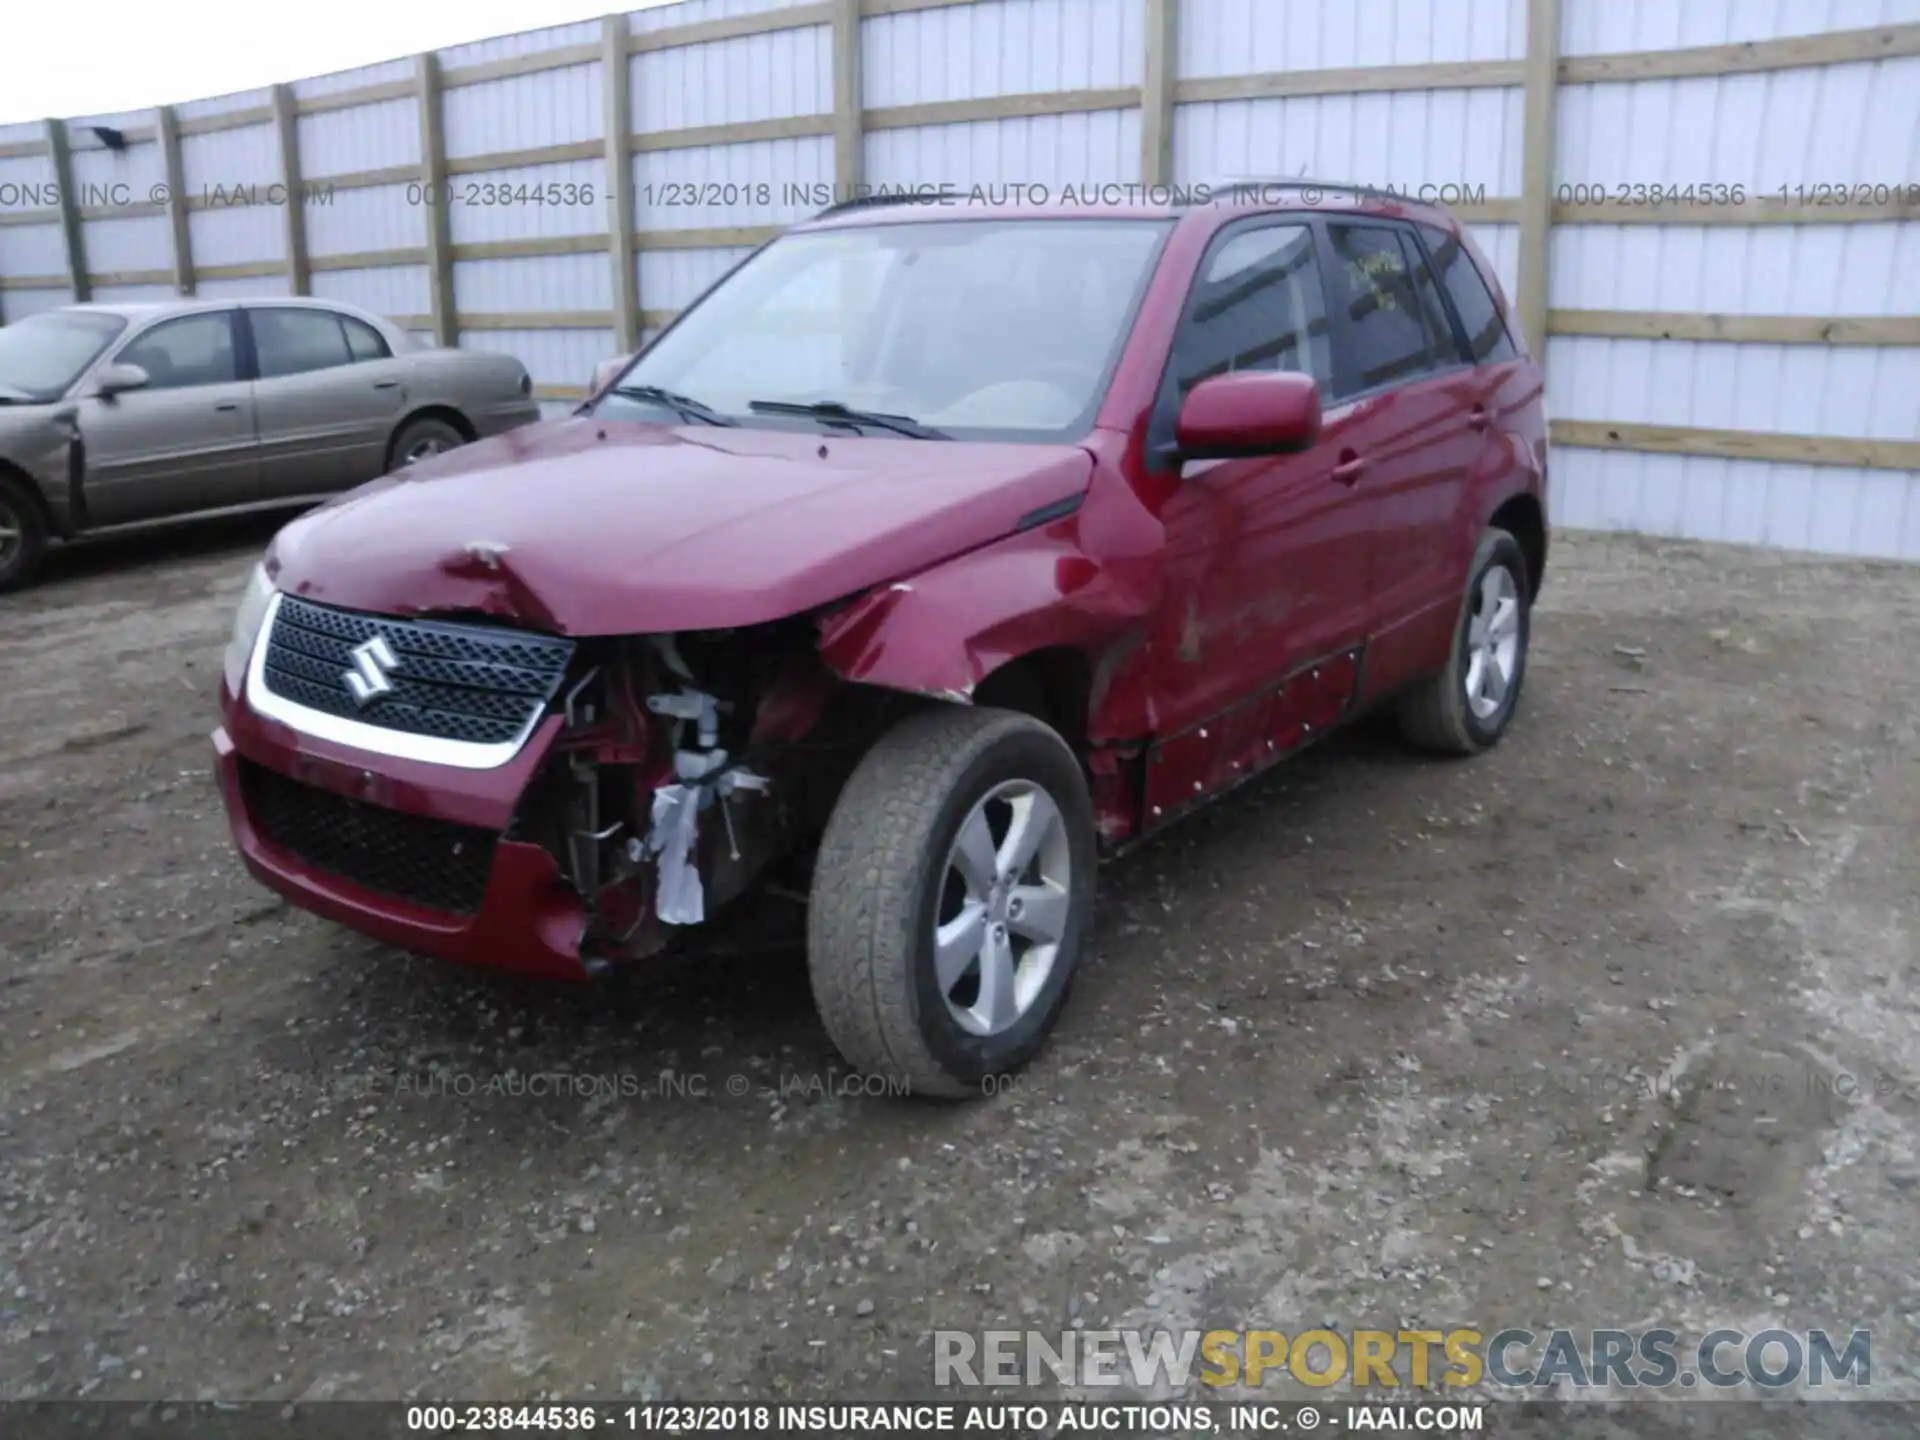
(836,413)
(686,409)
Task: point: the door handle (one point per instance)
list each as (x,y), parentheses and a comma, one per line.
(386,384)
(228,405)
(1350,468)
(1479,419)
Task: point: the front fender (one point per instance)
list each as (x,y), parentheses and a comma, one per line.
(1087,581)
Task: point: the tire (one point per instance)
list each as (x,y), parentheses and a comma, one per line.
(23,534)
(886,876)
(422,439)
(1441,715)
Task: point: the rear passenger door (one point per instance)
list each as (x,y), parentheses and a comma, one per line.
(328,395)
(1417,425)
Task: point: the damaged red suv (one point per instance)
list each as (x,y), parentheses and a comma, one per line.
(934,554)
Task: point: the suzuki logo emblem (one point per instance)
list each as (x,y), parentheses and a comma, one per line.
(373,662)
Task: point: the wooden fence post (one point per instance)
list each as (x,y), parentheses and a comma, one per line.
(618,123)
(1537,171)
(1162,66)
(286,128)
(62,161)
(433,196)
(166,134)
(849,145)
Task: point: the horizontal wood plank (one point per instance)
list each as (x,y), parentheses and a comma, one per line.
(718,238)
(1001,107)
(732,27)
(1838,47)
(369,259)
(1356,80)
(561,57)
(519,159)
(1739,445)
(245,270)
(787,127)
(532,245)
(538,320)
(231,120)
(1739,329)
(407,89)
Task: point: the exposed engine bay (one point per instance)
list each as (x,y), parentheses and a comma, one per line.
(688,768)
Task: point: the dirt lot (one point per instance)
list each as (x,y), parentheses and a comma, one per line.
(1376,1040)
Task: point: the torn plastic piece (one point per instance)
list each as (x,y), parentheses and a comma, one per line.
(679,898)
(692,705)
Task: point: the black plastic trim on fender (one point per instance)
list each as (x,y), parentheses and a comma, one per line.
(1047,514)
(77,517)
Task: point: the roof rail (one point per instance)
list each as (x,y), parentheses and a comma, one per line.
(1299,182)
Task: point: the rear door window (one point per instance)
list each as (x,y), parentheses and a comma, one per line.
(294,342)
(1394,328)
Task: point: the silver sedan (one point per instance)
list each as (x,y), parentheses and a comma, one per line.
(115,415)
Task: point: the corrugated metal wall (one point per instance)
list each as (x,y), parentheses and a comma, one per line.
(1677,336)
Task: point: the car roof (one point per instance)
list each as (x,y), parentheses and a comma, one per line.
(1225,199)
(135,310)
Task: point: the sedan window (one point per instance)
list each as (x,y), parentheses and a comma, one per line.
(43,354)
(193,350)
(365,342)
(293,342)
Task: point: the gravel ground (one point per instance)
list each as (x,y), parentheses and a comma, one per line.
(1375,1040)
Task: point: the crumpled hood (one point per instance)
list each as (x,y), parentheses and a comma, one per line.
(595,527)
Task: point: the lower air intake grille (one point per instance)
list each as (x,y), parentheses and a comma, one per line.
(432,863)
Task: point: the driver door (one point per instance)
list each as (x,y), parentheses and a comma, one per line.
(1266,559)
(182,443)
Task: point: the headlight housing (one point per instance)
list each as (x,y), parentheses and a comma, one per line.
(247,620)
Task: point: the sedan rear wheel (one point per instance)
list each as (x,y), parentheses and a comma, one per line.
(950,899)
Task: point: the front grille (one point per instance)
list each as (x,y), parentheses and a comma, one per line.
(434,863)
(475,683)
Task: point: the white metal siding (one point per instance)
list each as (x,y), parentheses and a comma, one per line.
(1847,123)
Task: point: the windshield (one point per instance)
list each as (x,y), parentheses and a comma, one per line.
(43,354)
(990,329)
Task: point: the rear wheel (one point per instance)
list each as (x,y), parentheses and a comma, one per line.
(1467,707)
(23,534)
(950,900)
(422,439)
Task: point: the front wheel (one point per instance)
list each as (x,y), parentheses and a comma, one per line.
(950,900)
(1467,707)
(23,535)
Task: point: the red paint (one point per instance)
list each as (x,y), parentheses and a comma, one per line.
(1230,609)
(618,527)
(1255,412)
(529,921)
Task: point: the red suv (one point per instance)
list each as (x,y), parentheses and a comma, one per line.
(934,554)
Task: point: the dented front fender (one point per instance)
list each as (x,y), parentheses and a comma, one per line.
(1086,581)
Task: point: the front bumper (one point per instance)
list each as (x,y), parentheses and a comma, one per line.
(528,920)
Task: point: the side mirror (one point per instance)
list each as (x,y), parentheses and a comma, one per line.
(605,372)
(118,379)
(1250,412)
